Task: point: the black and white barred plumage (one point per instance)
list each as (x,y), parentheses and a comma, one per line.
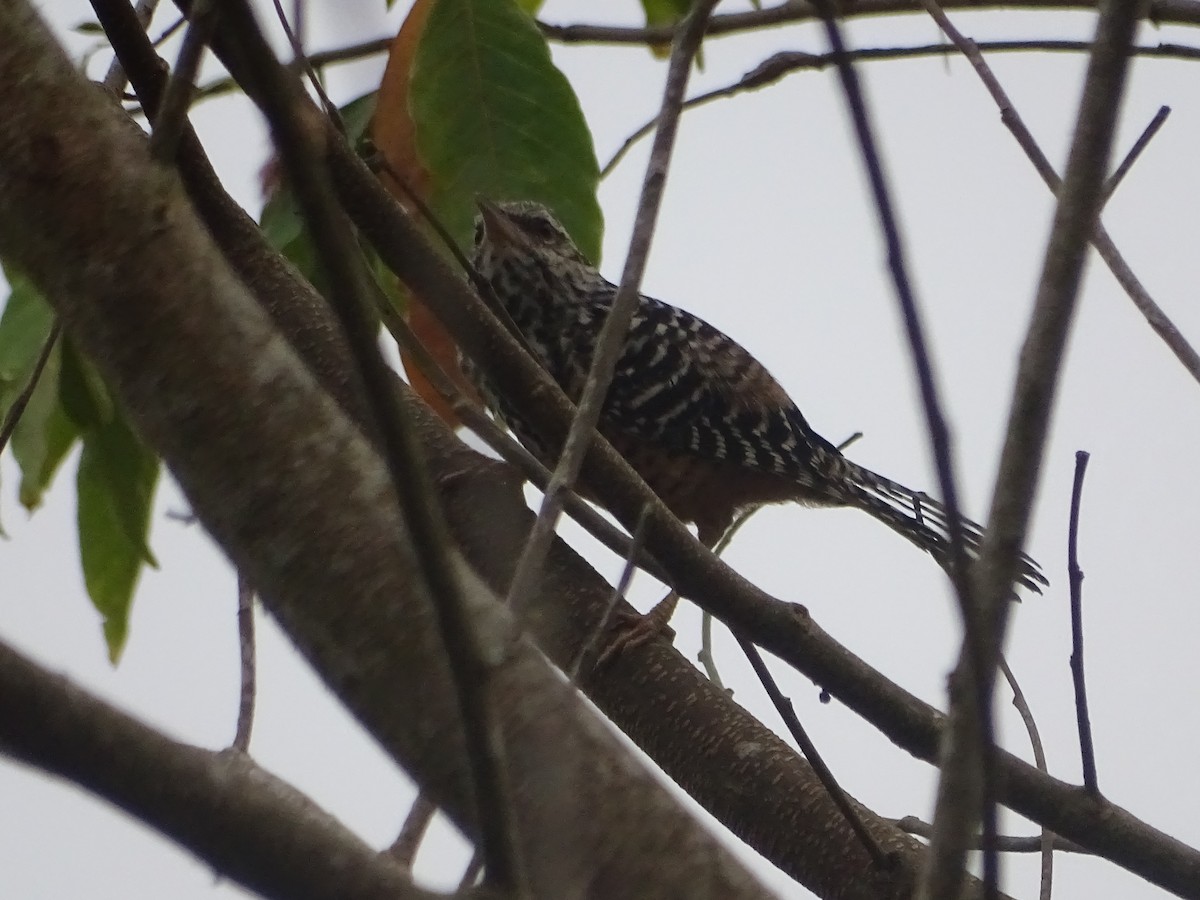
(703,422)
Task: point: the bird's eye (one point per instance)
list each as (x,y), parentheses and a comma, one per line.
(541,229)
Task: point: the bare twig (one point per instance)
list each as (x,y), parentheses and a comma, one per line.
(616,325)
(412,832)
(1004,843)
(787,712)
(962,799)
(1075,577)
(776,67)
(303,63)
(1046,840)
(618,593)
(705,657)
(172,111)
(245,620)
(1143,141)
(13,417)
(800,11)
(296,133)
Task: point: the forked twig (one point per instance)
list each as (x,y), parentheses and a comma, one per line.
(1143,141)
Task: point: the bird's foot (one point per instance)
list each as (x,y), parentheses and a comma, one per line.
(630,630)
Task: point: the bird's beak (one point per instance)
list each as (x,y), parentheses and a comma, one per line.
(496,226)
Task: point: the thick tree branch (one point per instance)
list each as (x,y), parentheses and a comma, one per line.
(248,825)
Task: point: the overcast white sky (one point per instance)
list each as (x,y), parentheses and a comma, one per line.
(767,233)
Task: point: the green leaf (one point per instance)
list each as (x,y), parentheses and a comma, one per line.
(356,116)
(84,395)
(494,117)
(24,327)
(116,481)
(665,12)
(530,7)
(44,436)
(281,222)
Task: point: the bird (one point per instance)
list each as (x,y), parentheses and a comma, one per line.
(699,418)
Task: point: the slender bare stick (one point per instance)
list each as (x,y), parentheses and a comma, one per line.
(13,417)
(1075,577)
(412,832)
(249,669)
(1004,843)
(776,67)
(788,713)
(619,590)
(1143,141)
(611,340)
(1046,840)
(297,130)
(177,97)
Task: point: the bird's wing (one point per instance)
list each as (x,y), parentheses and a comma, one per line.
(688,386)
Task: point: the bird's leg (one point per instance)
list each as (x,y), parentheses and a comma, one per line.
(634,629)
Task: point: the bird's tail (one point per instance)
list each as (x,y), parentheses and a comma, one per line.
(921,519)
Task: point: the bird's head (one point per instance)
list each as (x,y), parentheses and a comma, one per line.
(522,229)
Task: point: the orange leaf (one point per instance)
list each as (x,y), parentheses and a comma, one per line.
(394,136)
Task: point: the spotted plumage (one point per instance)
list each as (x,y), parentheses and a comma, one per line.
(700,419)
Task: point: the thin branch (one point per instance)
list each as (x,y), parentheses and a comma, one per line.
(1046,839)
(304,64)
(778,66)
(114,79)
(958,807)
(787,712)
(412,832)
(1143,141)
(1160,12)
(246,696)
(172,111)
(1075,577)
(297,133)
(13,417)
(1004,843)
(618,594)
(611,339)
(705,657)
